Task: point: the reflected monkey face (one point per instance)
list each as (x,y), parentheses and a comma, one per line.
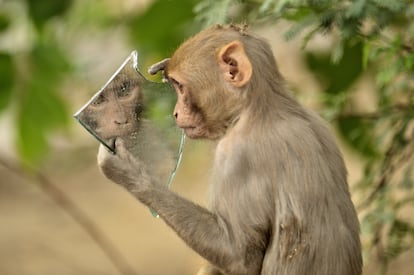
(117,110)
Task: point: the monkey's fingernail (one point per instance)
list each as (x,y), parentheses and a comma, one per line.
(152,71)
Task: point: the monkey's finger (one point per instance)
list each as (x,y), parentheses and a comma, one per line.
(159,66)
(103,155)
(120,148)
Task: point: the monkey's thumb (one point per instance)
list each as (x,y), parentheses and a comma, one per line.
(120,148)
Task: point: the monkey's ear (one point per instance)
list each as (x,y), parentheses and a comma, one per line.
(235,64)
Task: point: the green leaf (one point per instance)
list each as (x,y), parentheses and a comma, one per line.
(4,21)
(340,76)
(209,13)
(337,53)
(7,79)
(40,111)
(366,53)
(392,5)
(31,139)
(398,231)
(407,180)
(266,6)
(49,58)
(297,14)
(300,26)
(163,26)
(356,9)
(386,76)
(43,10)
(358,133)
(41,108)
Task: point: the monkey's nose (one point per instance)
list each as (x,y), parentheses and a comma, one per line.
(176,115)
(120,121)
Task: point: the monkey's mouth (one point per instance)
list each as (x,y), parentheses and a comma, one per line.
(193,131)
(187,127)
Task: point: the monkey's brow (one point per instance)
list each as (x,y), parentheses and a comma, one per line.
(173,80)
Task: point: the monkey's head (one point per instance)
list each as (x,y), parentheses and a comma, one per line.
(211,73)
(116,111)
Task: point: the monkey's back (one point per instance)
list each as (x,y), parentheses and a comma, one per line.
(316,225)
(292,165)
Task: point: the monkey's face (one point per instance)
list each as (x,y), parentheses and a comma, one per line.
(116,111)
(187,114)
(211,87)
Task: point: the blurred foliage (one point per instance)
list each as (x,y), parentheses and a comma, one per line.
(33,76)
(163,26)
(370,38)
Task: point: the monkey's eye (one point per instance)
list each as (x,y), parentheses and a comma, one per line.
(177,85)
(99,101)
(124,89)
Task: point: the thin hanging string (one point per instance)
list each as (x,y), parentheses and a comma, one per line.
(177,164)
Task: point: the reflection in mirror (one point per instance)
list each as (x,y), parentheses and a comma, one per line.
(121,109)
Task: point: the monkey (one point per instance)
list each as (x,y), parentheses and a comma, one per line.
(279,202)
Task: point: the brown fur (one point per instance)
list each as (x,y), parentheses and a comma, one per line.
(279,199)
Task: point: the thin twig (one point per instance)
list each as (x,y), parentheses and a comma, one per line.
(68,205)
(392,163)
(395,109)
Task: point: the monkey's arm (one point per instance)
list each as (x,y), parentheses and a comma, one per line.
(205,232)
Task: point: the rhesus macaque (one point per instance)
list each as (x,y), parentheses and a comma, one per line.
(279,199)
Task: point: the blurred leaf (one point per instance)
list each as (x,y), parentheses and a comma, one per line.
(407,180)
(358,133)
(51,66)
(209,13)
(299,27)
(42,10)
(297,14)
(31,139)
(41,108)
(4,21)
(340,76)
(356,9)
(163,26)
(399,230)
(7,72)
(49,61)
(392,5)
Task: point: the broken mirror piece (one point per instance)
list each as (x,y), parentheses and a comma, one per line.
(139,111)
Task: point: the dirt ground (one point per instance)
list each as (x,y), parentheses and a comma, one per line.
(38,237)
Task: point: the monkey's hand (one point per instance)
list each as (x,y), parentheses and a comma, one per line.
(159,66)
(123,168)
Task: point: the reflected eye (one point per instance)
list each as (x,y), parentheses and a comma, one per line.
(99,100)
(124,89)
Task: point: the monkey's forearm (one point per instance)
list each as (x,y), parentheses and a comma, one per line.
(204,231)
